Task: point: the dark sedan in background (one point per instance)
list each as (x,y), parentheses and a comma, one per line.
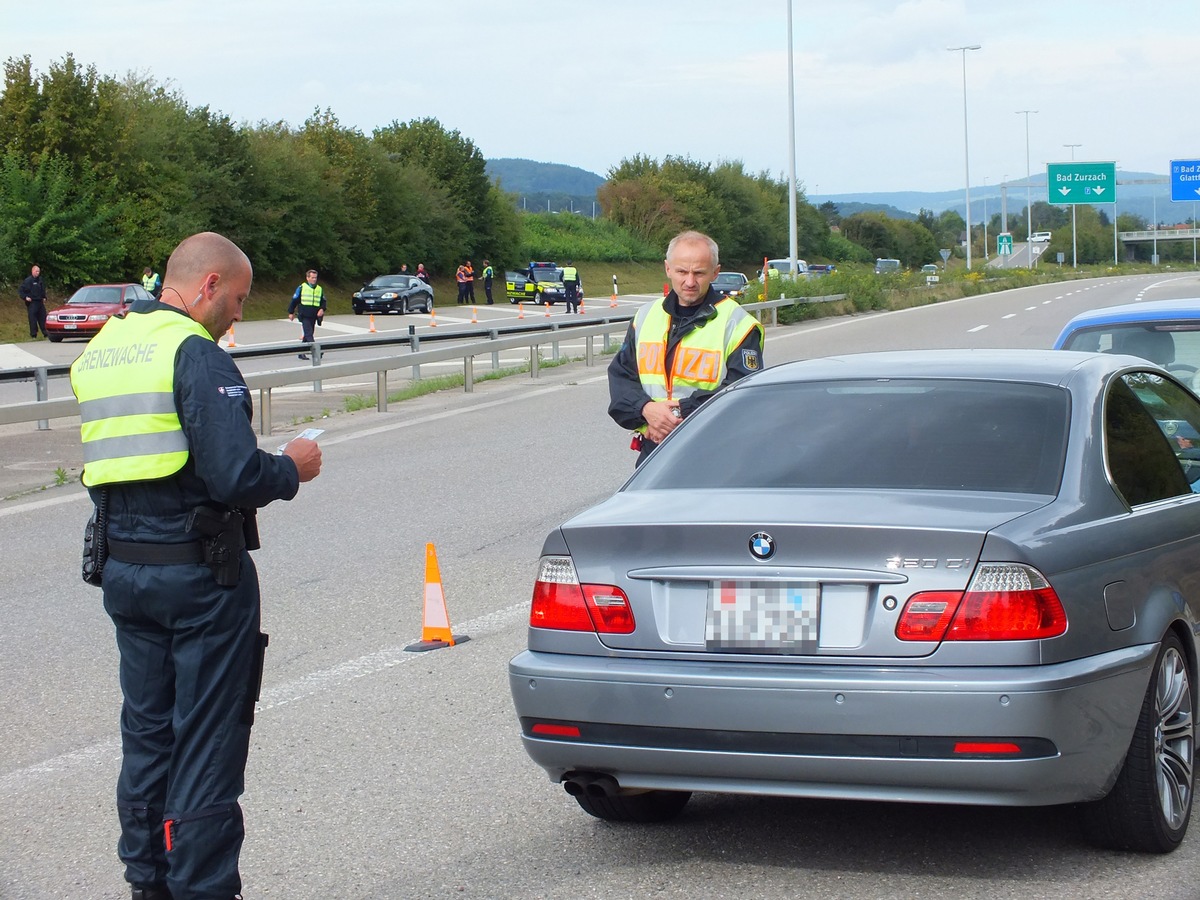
(85,313)
(393,293)
(730,284)
(938,576)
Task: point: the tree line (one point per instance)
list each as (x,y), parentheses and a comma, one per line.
(100,177)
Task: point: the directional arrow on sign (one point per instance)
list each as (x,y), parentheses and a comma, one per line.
(1064,191)
(1097,190)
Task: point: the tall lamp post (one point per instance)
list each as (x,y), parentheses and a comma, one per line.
(1028,189)
(793,238)
(1074,238)
(966,141)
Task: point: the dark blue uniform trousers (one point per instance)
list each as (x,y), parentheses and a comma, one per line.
(191,660)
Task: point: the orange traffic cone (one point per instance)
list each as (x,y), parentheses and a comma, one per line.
(581,306)
(372,328)
(547,310)
(474,312)
(232,342)
(520,310)
(613,302)
(435,620)
(433,318)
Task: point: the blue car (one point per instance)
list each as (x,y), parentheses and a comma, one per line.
(1166,332)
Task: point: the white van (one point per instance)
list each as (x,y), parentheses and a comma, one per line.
(783,267)
(1040,237)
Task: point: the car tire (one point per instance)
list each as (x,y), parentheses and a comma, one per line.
(55,338)
(357,311)
(643,807)
(404,307)
(1149,806)
(428,306)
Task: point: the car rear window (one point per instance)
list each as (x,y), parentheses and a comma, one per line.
(891,435)
(90,295)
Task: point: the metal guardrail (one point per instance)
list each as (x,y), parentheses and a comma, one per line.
(520,336)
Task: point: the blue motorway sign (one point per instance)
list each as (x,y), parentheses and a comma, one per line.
(1185,179)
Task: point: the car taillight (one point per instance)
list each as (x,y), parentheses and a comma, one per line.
(1004,602)
(561,602)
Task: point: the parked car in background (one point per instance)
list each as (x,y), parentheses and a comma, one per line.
(730,284)
(89,308)
(988,597)
(783,268)
(887,266)
(815,270)
(520,288)
(548,278)
(1166,332)
(393,293)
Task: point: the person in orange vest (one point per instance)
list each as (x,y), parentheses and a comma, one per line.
(461,277)
(470,281)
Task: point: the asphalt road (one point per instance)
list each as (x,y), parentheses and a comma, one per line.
(379,773)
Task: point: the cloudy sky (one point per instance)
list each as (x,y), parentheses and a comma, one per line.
(879,99)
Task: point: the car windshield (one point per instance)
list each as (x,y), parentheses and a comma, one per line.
(729,279)
(96,294)
(897,434)
(389,281)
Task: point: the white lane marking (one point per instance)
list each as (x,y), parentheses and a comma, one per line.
(1048,302)
(976,328)
(105,751)
(1030,308)
(42,504)
(14,357)
(1009,316)
(345,329)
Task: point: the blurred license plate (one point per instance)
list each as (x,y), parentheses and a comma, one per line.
(70,327)
(763,616)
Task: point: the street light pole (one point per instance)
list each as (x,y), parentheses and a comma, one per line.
(793,238)
(1028,189)
(966,142)
(1074,233)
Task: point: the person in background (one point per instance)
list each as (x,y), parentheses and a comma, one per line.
(470,281)
(151,282)
(571,286)
(421,273)
(173,466)
(460,276)
(33,292)
(308,302)
(488,275)
(682,349)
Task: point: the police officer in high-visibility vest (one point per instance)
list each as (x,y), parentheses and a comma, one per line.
(308,302)
(173,466)
(570,277)
(151,282)
(488,274)
(681,349)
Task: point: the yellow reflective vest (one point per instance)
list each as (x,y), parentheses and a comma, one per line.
(309,295)
(699,358)
(149,282)
(125,384)
(570,273)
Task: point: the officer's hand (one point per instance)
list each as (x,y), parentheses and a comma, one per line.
(307,457)
(291,317)
(320,313)
(662,416)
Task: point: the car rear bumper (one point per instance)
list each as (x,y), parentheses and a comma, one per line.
(878,733)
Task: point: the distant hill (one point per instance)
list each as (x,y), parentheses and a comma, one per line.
(539,185)
(1146,200)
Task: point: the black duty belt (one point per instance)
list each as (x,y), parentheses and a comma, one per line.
(156,554)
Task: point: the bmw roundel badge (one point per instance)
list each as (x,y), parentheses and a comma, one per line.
(762,545)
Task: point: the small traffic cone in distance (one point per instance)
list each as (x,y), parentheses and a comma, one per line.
(433,318)
(581,306)
(474,313)
(547,310)
(232,342)
(520,310)
(612,304)
(435,625)
(372,328)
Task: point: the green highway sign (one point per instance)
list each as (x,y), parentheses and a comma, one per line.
(1081,182)
(1004,244)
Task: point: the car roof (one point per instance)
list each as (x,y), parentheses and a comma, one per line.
(1052,367)
(1179,310)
